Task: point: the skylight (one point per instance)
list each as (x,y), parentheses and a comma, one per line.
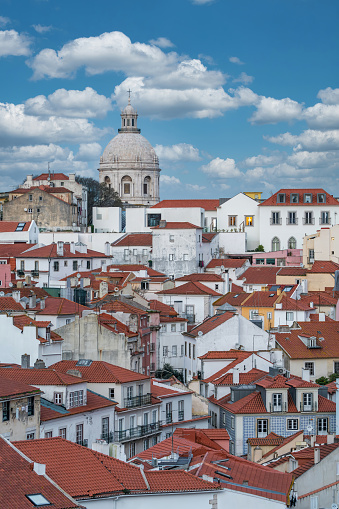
(38,500)
(272,294)
(84,362)
(20,227)
(234,296)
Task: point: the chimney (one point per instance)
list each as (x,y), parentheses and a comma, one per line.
(39,468)
(322,317)
(311,305)
(278,291)
(60,248)
(257,454)
(330,439)
(72,247)
(107,249)
(72,177)
(28,280)
(39,364)
(316,455)
(235,375)
(32,301)
(16,295)
(42,303)
(313,440)
(306,374)
(25,361)
(162,223)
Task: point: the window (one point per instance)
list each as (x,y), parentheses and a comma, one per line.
(249,220)
(275,219)
(336,367)
(232,220)
(216,287)
(308,219)
(75,265)
(277,402)
(232,421)
(262,428)
(22,264)
(181,410)
(171,257)
(185,348)
(289,316)
(174,350)
(62,433)
(105,428)
(189,350)
(310,367)
(292,243)
(321,198)
(30,197)
(127,188)
(224,418)
(140,389)
(48,434)
(182,350)
(269,315)
(132,449)
(30,211)
(58,398)
(65,263)
(270,261)
(307,198)
(79,434)
(30,436)
(292,424)
(130,392)
(182,326)
(311,255)
(307,400)
(173,328)
(193,351)
(171,238)
(56,266)
(68,320)
(260,261)
(111,393)
(38,499)
(325,218)
(38,211)
(40,198)
(168,413)
(281,198)
(88,264)
(146,444)
(5,411)
(76,398)
(232,449)
(154,416)
(275,244)
(30,406)
(294,198)
(165,351)
(322,424)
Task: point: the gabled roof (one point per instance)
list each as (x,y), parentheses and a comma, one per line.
(228,263)
(13,250)
(323,267)
(10,387)
(233,298)
(260,274)
(39,376)
(262,299)
(51,176)
(272,200)
(203,204)
(211,323)
(191,288)
(292,271)
(133,267)
(9,304)
(11,226)
(270,439)
(100,372)
(164,309)
(292,304)
(320,299)
(116,306)
(114,325)
(50,251)
(176,225)
(134,239)
(203,277)
(20,480)
(85,473)
(325,450)
(60,306)
(180,445)
(225,377)
(250,404)
(160,390)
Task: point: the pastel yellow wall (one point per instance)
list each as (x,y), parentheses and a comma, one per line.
(318,282)
(262,312)
(253,194)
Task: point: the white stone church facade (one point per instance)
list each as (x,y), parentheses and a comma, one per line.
(129,163)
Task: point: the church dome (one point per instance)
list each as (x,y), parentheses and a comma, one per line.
(129,148)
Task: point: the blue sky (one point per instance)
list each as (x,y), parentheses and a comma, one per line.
(234,96)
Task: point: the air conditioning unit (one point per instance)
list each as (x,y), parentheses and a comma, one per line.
(281,371)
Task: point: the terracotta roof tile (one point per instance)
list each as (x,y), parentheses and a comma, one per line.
(228,263)
(100,372)
(262,299)
(272,200)
(327,267)
(203,204)
(211,323)
(205,276)
(225,376)
(11,226)
(270,439)
(233,298)
(134,239)
(165,310)
(51,176)
(9,304)
(10,387)
(325,450)
(292,271)
(50,251)
(39,377)
(171,225)
(260,275)
(50,411)
(250,404)
(191,288)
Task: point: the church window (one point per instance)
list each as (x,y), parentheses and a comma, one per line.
(128,122)
(145,188)
(127,188)
(133,122)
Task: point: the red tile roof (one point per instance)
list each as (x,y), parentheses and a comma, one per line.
(116,306)
(11,226)
(250,404)
(51,176)
(326,267)
(134,239)
(292,271)
(292,304)
(171,225)
(9,304)
(262,299)
(285,441)
(325,450)
(314,317)
(114,325)
(10,387)
(39,377)
(260,274)
(133,267)
(270,439)
(160,390)
(233,298)
(272,200)
(20,479)
(225,354)
(208,237)
(225,377)
(295,348)
(211,323)
(191,288)
(205,276)
(165,310)
(50,411)
(203,204)
(228,263)
(163,449)
(51,252)
(100,372)
(13,250)
(59,306)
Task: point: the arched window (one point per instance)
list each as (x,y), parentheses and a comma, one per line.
(292,243)
(275,244)
(108,182)
(126,185)
(146,185)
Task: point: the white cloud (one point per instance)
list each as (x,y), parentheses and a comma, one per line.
(162,42)
(202,2)
(322,116)
(329,95)
(89,152)
(4,21)
(243,78)
(33,153)
(236,60)
(256,173)
(69,103)
(111,51)
(272,111)
(305,159)
(178,152)
(195,187)
(41,29)
(167,180)
(221,168)
(18,128)
(311,140)
(263,160)
(13,43)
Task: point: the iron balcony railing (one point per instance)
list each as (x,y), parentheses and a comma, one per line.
(313,407)
(324,220)
(291,220)
(308,220)
(138,401)
(133,433)
(181,415)
(168,417)
(275,220)
(278,408)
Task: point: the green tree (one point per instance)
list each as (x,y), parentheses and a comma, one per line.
(98,195)
(167,372)
(260,248)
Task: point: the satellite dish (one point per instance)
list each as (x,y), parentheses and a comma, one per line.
(25,210)
(78,275)
(116,289)
(200,333)
(10,285)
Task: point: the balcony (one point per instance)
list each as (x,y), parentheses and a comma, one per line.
(278,408)
(308,220)
(324,220)
(138,401)
(189,317)
(181,415)
(275,220)
(169,417)
(20,273)
(291,220)
(133,433)
(309,408)
(35,273)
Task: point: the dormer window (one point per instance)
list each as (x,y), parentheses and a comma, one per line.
(321,198)
(281,198)
(307,198)
(294,198)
